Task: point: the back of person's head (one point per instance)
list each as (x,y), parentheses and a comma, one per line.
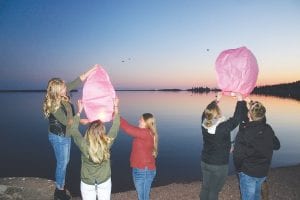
(149,120)
(97,141)
(211,113)
(56,92)
(257,111)
(151,124)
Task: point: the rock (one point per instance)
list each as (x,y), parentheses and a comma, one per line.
(3,188)
(27,188)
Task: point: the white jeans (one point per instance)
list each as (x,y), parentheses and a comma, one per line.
(88,192)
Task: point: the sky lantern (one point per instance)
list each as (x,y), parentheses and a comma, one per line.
(237,71)
(98,96)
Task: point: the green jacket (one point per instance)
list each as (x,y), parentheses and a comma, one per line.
(91,172)
(60,115)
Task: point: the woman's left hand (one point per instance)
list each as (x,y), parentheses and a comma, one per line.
(116,105)
(84,76)
(79,106)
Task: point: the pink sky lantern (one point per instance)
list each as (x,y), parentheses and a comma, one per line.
(237,71)
(98,95)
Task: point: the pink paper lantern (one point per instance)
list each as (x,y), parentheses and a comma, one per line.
(98,95)
(237,71)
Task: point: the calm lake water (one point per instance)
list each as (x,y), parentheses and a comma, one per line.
(25,150)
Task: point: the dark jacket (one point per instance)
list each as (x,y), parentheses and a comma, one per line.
(254,145)
(216,147)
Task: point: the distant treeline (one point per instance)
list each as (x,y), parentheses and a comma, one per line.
(202,90)
(287,90)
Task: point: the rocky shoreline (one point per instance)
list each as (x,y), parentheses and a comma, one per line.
(284,183)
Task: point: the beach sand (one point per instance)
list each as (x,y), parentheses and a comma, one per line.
(284,184)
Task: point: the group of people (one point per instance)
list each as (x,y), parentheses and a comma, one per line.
(96,143)
(252,151)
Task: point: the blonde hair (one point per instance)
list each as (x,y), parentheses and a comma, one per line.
(211,112)
(98,142)
(54,97)
(151,125)
(257,111)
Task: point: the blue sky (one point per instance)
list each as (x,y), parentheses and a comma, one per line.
(145,44)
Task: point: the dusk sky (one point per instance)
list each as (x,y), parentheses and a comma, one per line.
(145,44)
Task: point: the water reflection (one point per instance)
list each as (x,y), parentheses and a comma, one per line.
(25,150)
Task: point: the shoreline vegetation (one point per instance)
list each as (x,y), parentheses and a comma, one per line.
(283,90)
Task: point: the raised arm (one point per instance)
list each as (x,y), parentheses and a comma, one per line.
(79,141)
(132,130)
(73,84)
(86,74)
(77,137)
(234,121)
(114,130)
(78,81)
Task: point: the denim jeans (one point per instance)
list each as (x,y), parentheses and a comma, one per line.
(214,177)
(250,186)
(61,146)
(143,179)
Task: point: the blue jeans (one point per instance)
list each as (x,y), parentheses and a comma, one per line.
(250,186)
(143,179)
(61,146)
(214,177)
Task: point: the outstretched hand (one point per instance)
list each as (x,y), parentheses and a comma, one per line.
(84,76)
(79,105)
(239,96)
(219,96)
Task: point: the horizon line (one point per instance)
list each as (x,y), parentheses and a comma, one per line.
(148,89)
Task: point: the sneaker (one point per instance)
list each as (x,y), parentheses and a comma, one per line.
(61,195)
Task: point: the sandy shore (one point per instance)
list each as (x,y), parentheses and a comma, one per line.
(284,184)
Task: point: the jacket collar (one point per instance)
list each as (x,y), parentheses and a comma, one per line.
(216,122)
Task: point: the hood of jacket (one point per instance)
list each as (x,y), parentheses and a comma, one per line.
(216,122)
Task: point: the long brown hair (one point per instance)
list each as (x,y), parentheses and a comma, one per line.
(151,125)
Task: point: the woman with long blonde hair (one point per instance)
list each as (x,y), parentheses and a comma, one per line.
(143,154)
(58,109)
(95,156)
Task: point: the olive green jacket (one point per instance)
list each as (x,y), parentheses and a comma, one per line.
(91,172)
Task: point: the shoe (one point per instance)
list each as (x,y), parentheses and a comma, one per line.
(61,195)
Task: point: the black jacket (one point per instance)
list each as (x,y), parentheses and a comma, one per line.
(216,147)
(254,145)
